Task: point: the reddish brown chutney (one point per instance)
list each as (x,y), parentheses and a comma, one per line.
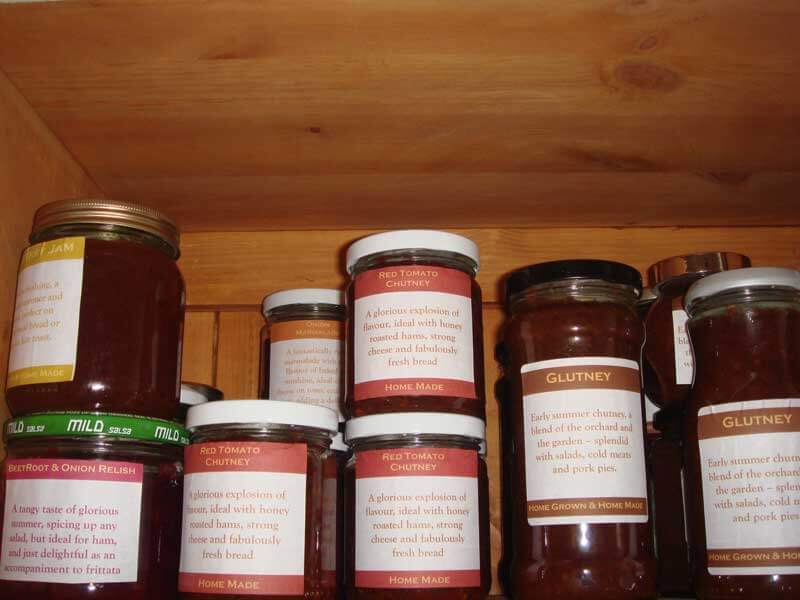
(129,338)
(744,351)
(610,561)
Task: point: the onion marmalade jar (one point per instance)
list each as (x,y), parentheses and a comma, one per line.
(193,394)
(417,508)
(255,522)
(414,333)
(99,312)
(667,356)
(88,504)
(301,347)
(743,435)
(578,478)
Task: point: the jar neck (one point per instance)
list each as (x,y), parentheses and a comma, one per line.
(299,312)
(99,447)
(417,256)
(778,297)
(108,233)
(381,442)
(262,433)
(577,290)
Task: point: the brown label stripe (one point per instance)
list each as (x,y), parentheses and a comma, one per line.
(580,377)
(754,557)
(748,422)
(306,330)
(586,507)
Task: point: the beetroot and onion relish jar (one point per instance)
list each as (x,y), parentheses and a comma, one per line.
(414,325)
(89,505)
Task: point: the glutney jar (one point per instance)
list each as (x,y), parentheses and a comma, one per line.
(414,334)
(89,505)
(254,512)
(99,312)
(743,434)
(302,347)
(667,355)
(580,517)
(417,508)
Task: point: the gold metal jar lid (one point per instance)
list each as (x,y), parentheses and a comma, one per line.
(691,264)
(108,212)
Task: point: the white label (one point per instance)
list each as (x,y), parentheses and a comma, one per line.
(584,444)
(44,341)
(684,362)
(307,371)
(71,521)
(418,341)
(417,531)
(750,466)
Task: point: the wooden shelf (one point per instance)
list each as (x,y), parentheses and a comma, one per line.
(310,114)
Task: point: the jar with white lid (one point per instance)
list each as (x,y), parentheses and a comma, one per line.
(414,334)
(302,347)
(253,511)
(417,510)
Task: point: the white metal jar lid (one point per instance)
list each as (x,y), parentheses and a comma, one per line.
(412,239)
(338,444)
(303,296)
(415,423)
(262,412)
(198,393)
(739,279)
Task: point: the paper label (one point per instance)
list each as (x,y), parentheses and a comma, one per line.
(584,444)
(684,362)
(44,339)
(244,519)
(305,362)
(417,518)
(413,333)
(71,521)
(750,466)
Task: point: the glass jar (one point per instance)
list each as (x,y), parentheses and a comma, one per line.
(193,394)
(580,516)
(414,324)
(666,351)
(88,504)
(743,435)
(646,300)
(301,357)
(417,508)
(99,312)
(507,449)
(333,545)
(253,507)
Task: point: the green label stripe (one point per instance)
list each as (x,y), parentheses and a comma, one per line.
(85,424)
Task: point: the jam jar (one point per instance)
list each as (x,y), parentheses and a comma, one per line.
(193,394)
(99,312)
(88,504)
(578,478)
(742,431)
(301,349)
(254,517)
(417,508)
(414,332)
(668,364)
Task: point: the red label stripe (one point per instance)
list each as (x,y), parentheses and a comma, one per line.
(418,579)
(412,278)
(256,585)
(264,457)
(87,470)
(414,387)
(417,462)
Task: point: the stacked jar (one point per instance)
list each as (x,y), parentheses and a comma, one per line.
(93,472)
(416,491)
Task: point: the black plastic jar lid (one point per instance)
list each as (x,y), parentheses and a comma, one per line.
(96,425)
(559,270)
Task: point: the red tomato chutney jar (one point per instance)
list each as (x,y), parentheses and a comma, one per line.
(255,521)
(581,528)
(302,347)
(88,505)
(417,512)
(414,325)
(742,435)
(98,320)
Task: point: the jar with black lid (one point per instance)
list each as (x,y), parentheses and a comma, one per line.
(743,435)
(99,312)
(414,334)
(88,504)
(580,513)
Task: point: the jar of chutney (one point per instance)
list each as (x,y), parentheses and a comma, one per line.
(578,479)
(414,333)
(742,433)
(98,320)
